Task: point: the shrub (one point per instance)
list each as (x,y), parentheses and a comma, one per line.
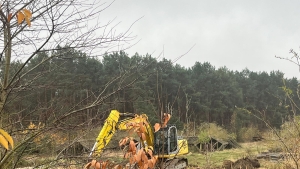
(246,134)
(207,130)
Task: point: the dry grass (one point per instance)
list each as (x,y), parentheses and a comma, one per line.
(252,149)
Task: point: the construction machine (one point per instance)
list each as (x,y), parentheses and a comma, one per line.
(159,143)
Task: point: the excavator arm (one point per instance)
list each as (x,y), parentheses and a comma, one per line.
(113,124)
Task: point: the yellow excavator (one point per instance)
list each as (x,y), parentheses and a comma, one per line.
(168,148)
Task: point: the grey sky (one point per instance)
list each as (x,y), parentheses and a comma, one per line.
(236,34)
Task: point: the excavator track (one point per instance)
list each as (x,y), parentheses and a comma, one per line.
(176,163)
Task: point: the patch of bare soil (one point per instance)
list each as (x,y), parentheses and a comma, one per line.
(244,163)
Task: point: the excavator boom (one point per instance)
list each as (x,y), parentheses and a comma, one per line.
(106,133)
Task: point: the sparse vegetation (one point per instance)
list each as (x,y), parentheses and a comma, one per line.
(207,130)
(246,134)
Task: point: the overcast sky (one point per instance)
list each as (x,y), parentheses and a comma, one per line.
(233,33)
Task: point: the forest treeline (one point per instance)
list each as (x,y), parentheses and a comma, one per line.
(146,84)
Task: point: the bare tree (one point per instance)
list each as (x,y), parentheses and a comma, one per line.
(72,24)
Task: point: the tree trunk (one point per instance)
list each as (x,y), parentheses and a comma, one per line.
(7,49)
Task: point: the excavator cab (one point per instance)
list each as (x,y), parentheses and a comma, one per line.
(167,146)
(166,141)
